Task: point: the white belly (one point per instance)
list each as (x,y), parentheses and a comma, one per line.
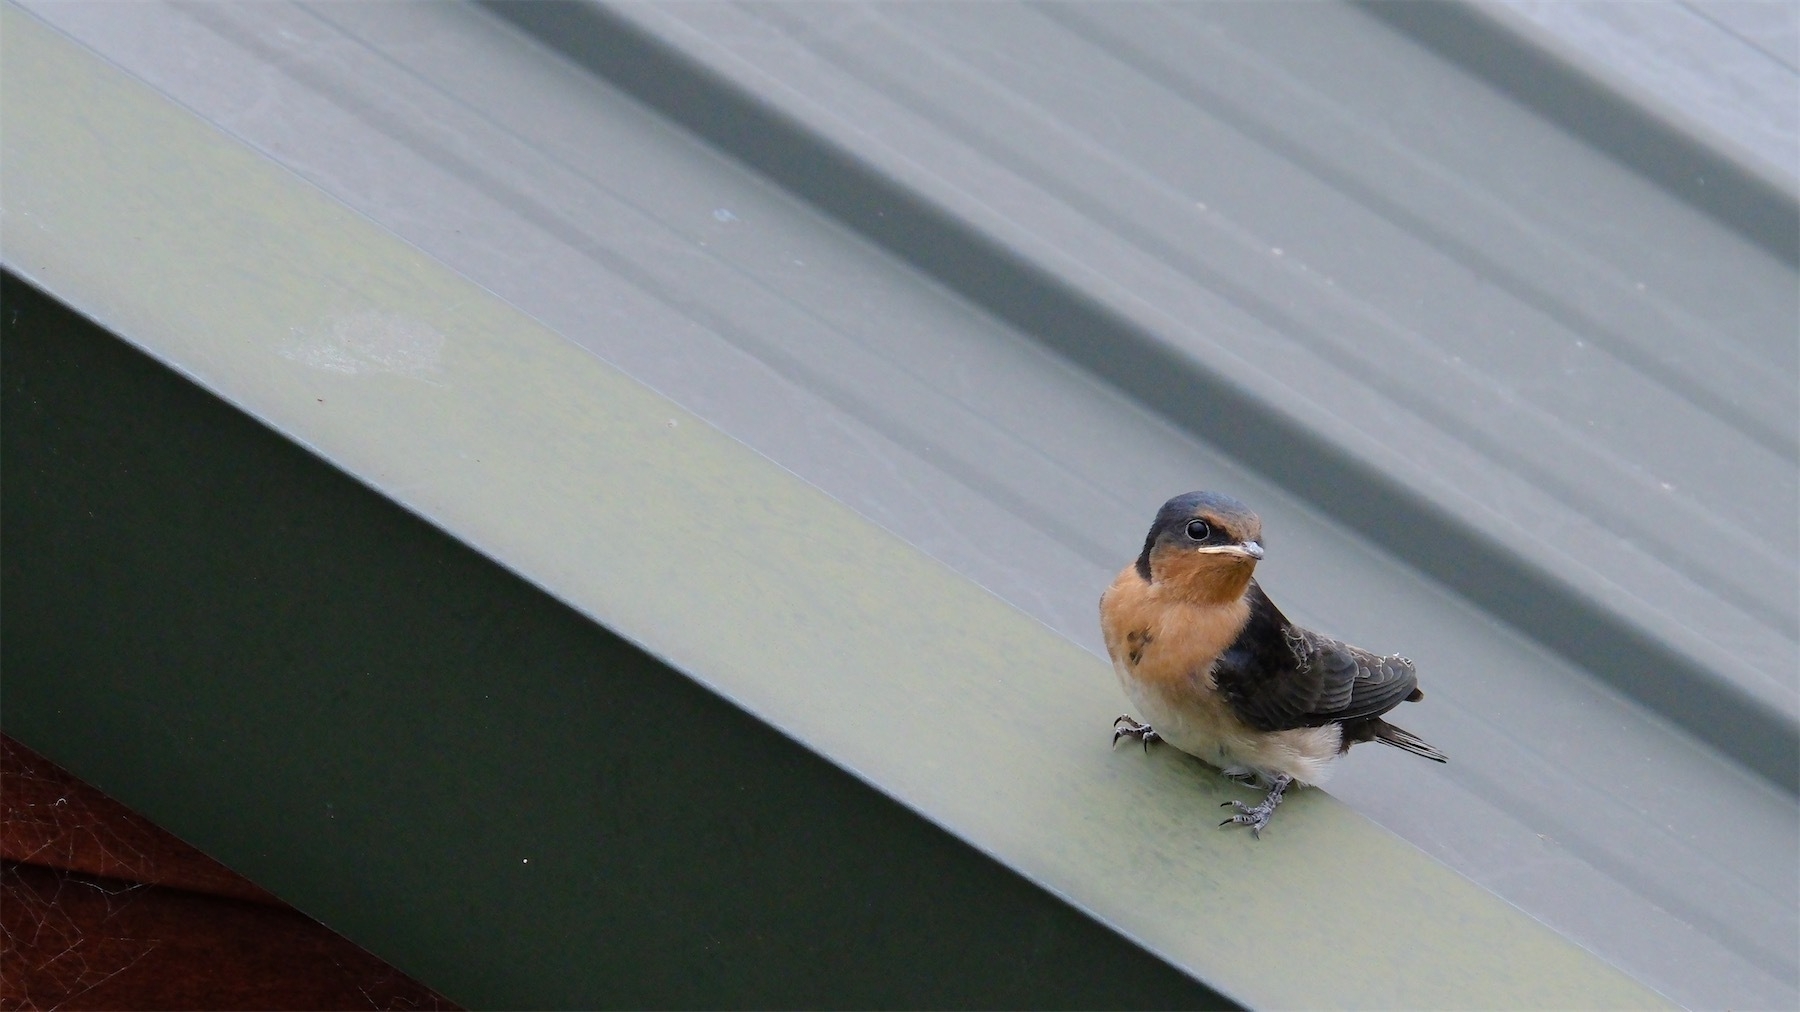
(1304,754)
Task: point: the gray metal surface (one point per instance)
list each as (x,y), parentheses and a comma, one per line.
(1391,273)
(1730,67)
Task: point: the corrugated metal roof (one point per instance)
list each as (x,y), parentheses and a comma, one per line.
(1726,68)
(1005,277)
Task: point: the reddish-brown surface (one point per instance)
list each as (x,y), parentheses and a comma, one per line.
(100,909)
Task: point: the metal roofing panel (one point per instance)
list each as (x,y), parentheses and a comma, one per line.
(1439,329)
(1445,314)
(1731,69)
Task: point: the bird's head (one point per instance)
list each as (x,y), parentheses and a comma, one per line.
(1203,545)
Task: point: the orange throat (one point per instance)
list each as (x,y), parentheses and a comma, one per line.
(1202,578)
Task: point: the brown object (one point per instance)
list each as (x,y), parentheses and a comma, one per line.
(101,909)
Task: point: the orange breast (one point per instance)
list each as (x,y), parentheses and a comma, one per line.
(1161,638)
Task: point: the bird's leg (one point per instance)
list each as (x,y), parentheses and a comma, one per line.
(1258,816)
(1125,727)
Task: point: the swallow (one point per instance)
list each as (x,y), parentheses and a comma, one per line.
(1222,674)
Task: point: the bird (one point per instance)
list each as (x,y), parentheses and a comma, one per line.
(1220,673)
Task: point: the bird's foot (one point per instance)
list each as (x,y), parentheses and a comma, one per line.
(1257,816)
(1125,727)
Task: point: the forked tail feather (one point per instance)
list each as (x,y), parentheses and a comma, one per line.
(1401,738)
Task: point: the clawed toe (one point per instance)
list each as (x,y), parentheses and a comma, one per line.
(1126,727)
(1257,816)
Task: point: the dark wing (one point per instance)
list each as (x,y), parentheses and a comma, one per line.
(1278,676)
(1357,683)
(1261,676)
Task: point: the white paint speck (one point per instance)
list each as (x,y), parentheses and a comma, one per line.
(1275,250)
(721,214)
(368,342)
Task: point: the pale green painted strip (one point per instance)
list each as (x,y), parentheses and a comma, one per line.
(614,499)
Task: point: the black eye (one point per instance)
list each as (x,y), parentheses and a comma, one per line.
(1199,530)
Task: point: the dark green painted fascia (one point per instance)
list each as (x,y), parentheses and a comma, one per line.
(442,761)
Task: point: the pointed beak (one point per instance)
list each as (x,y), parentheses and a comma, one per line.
(1243,550)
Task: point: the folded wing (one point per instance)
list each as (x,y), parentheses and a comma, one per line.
(1278,676)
